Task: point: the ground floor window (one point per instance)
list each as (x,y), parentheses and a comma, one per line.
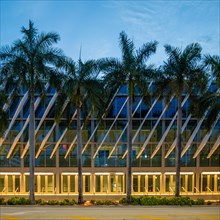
(111,183)
(210,182)
(43,183)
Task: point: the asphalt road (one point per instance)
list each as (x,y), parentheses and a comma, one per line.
(113,213)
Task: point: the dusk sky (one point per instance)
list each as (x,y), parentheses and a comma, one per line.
(96,24)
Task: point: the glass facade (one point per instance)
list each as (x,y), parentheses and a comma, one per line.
(104,150)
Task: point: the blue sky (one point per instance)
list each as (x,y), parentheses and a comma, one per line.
(96,24)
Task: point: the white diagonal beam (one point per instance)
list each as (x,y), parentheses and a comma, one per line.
(61,137)
(153,129)
(45,140)
(175,141)
(214,148)
(21,104)
(136,134)
(40,123)
(58,142)
(133,139)
(205,139)
(145,118)
(49,133)
(71,145)
(167,130)
(95,129)
(110,128)
(74,140)
(119,138)
(36,103)
(63,134)
(189,142)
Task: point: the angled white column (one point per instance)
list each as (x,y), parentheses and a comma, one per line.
(135,136)
(49,133)
(142,123)
(206,138)
(40,123)
(72,143)
(23,128)
(167,130)
(153,129)
(61,138)
(100,145)
(45,140)
(74,140)
(95,129)
(145,118)
(214,148)
(20,106)
(119,138)
(175,141)
(189,142)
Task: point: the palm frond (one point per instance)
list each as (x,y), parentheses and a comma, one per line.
(127,49)
(146,51)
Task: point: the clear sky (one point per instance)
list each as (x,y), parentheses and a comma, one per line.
(96,24)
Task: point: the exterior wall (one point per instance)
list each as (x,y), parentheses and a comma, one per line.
(104,155)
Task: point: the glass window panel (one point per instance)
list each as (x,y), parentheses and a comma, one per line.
(142,183)
(113,183)
(120,183)
(157,182)
(65,183)
(212,182)
(190,183)
(2,183)
(135,183)
(167,187)
(87,183)
(150,183)
(204,182)
(98,183)
(42,183)
(27,183)
(50,183)
(17,183)
(218,183)
(105,183)
(72,183)
(182,183)
(10,183)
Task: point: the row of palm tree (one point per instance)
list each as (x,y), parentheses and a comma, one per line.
(32,61)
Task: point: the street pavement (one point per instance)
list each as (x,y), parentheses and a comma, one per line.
(109,212)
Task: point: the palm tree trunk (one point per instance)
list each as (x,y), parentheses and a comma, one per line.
(178,147)
(129,158)
(79,157)
(32,145)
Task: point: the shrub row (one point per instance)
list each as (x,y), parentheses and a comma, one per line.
(157,200)
(142,200)
(104,202)
(24,201)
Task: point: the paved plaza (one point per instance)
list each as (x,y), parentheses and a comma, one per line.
(113,213)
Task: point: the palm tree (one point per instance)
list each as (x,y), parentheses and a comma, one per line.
(182,72)
(83,90)
(210,100)
(30,62)
(131,71)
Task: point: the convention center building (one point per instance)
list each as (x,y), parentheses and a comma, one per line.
(105,149)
